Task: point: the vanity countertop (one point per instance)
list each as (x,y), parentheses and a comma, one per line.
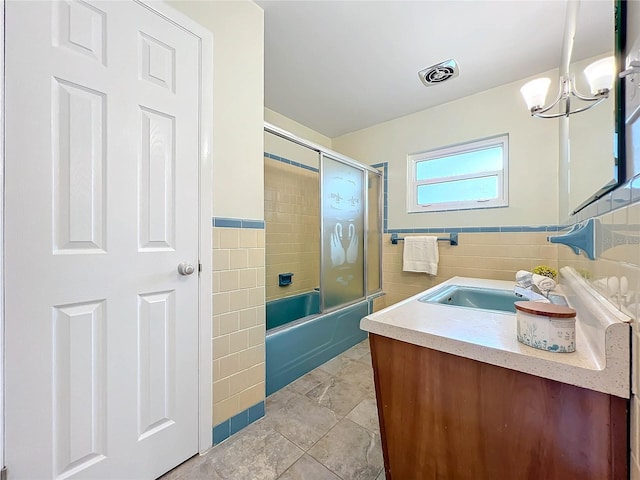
(600,362)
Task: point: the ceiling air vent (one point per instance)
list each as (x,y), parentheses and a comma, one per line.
(439,73)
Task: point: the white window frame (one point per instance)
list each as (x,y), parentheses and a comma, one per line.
(503,176)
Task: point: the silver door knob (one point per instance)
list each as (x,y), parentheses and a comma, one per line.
(185,269)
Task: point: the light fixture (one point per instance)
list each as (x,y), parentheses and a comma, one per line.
(599,75)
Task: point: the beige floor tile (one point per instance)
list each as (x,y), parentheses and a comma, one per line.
(357,373)
(334,365)
(307,468)
(256,453)
(366,359)
(301,420)
(357,351)
(365,414)
(308,382)
(338,395)
(350,451)
(200,469)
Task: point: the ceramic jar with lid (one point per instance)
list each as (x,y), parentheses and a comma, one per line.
(546,326)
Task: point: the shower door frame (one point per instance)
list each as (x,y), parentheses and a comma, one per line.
(323,151)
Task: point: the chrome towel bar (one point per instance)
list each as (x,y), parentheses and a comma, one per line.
(452,238)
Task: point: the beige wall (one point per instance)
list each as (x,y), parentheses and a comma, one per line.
(238,115)
(533,156)
(275,145)
(292,219)
(296,128)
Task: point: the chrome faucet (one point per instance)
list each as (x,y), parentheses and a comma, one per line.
(531,293)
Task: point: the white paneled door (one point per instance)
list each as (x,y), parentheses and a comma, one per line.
(102,108)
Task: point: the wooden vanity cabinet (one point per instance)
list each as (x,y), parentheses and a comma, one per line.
(447,417)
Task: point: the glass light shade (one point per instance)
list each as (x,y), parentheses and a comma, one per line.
(600,74)
(535,92)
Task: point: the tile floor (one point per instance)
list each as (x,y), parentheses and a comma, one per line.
(323,426)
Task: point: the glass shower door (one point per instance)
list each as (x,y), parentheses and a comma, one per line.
(343,209)
(374,233)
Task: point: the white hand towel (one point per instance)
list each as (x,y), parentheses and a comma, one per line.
(613,286)
(524,278)
(545,284)
(420,255)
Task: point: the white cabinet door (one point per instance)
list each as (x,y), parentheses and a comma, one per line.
(102,139)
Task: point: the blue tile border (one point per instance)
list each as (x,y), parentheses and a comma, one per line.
(226,222)
(290,162)
(221,432)
(623,196)
(253,224)
(256,412)
(236,423)
(509,229)
(222,222)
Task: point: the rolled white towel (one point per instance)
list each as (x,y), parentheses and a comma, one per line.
(601,284)
(545,284)
(524,278)
(624,285)
(613,286)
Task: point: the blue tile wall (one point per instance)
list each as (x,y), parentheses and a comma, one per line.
(236,423)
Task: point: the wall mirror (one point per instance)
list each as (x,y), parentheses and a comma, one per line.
(589,165)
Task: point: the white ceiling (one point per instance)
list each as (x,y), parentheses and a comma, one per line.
(340,66)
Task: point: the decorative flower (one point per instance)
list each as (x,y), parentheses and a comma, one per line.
(546,271)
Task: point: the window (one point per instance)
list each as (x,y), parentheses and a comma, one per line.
(459,177)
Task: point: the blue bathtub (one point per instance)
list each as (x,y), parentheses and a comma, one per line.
(286,310)
(297,346)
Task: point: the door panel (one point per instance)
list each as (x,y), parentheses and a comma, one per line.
(79,162)
(158,62)
(101,207)
(81,28)
(156,362)
(157,187)
(79,370)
